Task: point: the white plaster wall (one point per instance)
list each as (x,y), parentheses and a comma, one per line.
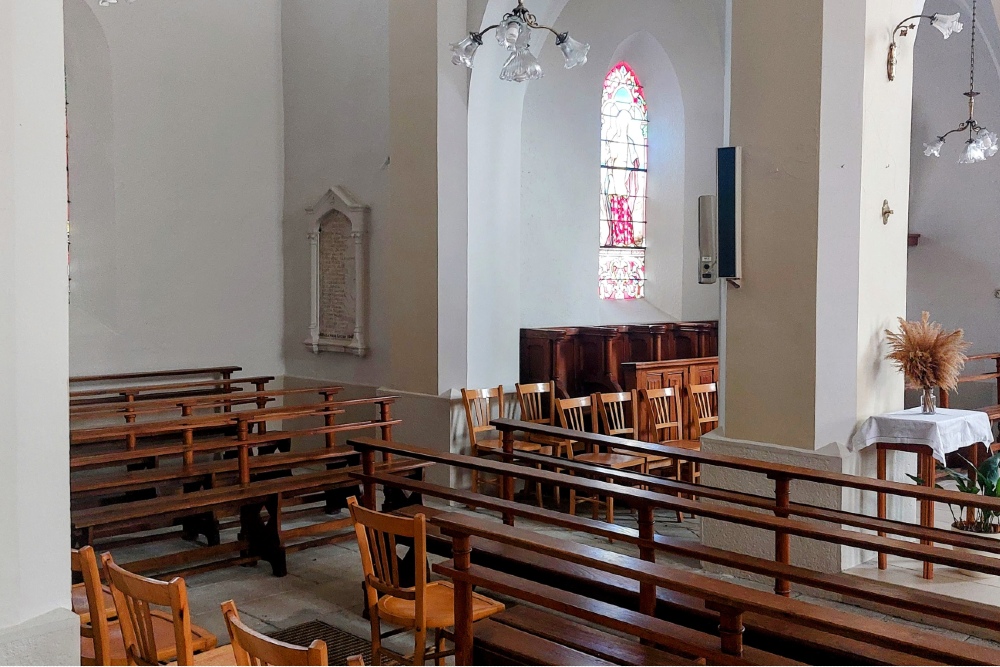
(175,120)
(953,273)
(336,101)
(676,49)
(35,624)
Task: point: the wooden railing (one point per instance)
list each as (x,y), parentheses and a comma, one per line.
(730,600)
(780,504)
(644,501)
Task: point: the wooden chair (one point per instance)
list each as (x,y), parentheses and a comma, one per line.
(95,632)
(152,636)
(478,405)
(538,406)
(663,408)
(618,414)
(705,401)
(424,606)
(80,597)
(573,414)
(251,648)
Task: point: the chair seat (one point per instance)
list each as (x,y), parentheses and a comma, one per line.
(519,445)
(82,608)
(693,445)
(649,458)
(163,633)
(439,607)
(220,655)
(616,461)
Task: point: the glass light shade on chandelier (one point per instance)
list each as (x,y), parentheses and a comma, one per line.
(521,66)
(574,51)
(513,33)
(462,53)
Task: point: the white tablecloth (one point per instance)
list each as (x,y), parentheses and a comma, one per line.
(944,432)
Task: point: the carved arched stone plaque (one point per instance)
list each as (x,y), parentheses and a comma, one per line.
(337,237)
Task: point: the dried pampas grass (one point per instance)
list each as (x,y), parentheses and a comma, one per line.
(927,355)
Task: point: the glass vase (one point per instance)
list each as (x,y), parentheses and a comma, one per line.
(928,401)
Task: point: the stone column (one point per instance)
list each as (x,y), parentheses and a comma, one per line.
(36,626)
(826,139)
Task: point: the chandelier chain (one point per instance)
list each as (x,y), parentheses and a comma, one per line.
(972,58)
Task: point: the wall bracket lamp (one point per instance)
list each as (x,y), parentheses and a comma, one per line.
(946,23)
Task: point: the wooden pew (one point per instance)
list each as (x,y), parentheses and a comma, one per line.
(107,479)
(166,390)
(730,600)
(260,538)
(224,372)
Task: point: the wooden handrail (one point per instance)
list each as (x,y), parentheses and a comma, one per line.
(192,423)
(174,386)
(721,594)
(761,467)
(203,400)
(225,371)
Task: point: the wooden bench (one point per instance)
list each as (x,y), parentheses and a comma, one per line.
(260,538)
(730,600)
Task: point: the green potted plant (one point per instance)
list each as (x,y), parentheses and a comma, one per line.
(986,482)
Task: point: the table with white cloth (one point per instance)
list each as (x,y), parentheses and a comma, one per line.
(931,437)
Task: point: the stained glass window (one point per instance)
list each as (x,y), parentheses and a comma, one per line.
(624,148)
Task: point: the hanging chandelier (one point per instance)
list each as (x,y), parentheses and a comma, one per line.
(982,143)
(513,33)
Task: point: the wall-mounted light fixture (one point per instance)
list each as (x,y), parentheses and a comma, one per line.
(946,23)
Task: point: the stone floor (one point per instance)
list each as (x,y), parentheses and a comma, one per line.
(324,583)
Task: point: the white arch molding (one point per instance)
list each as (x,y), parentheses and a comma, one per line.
(495,113)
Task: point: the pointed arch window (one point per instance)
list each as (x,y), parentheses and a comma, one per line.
(624,149)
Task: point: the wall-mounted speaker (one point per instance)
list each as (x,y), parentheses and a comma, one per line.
(730,212)
(708,247)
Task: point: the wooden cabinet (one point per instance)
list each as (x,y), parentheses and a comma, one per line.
(582,360)
(679,374)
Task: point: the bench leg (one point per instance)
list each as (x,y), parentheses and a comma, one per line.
(264,538)
(880,499)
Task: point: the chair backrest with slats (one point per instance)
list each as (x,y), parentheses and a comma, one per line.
(479,409)
(538,402)
(664,410)
(96,628)
(376,533)
(705,400)
(133,595)
(574,413)
(618,413)
(250,648)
